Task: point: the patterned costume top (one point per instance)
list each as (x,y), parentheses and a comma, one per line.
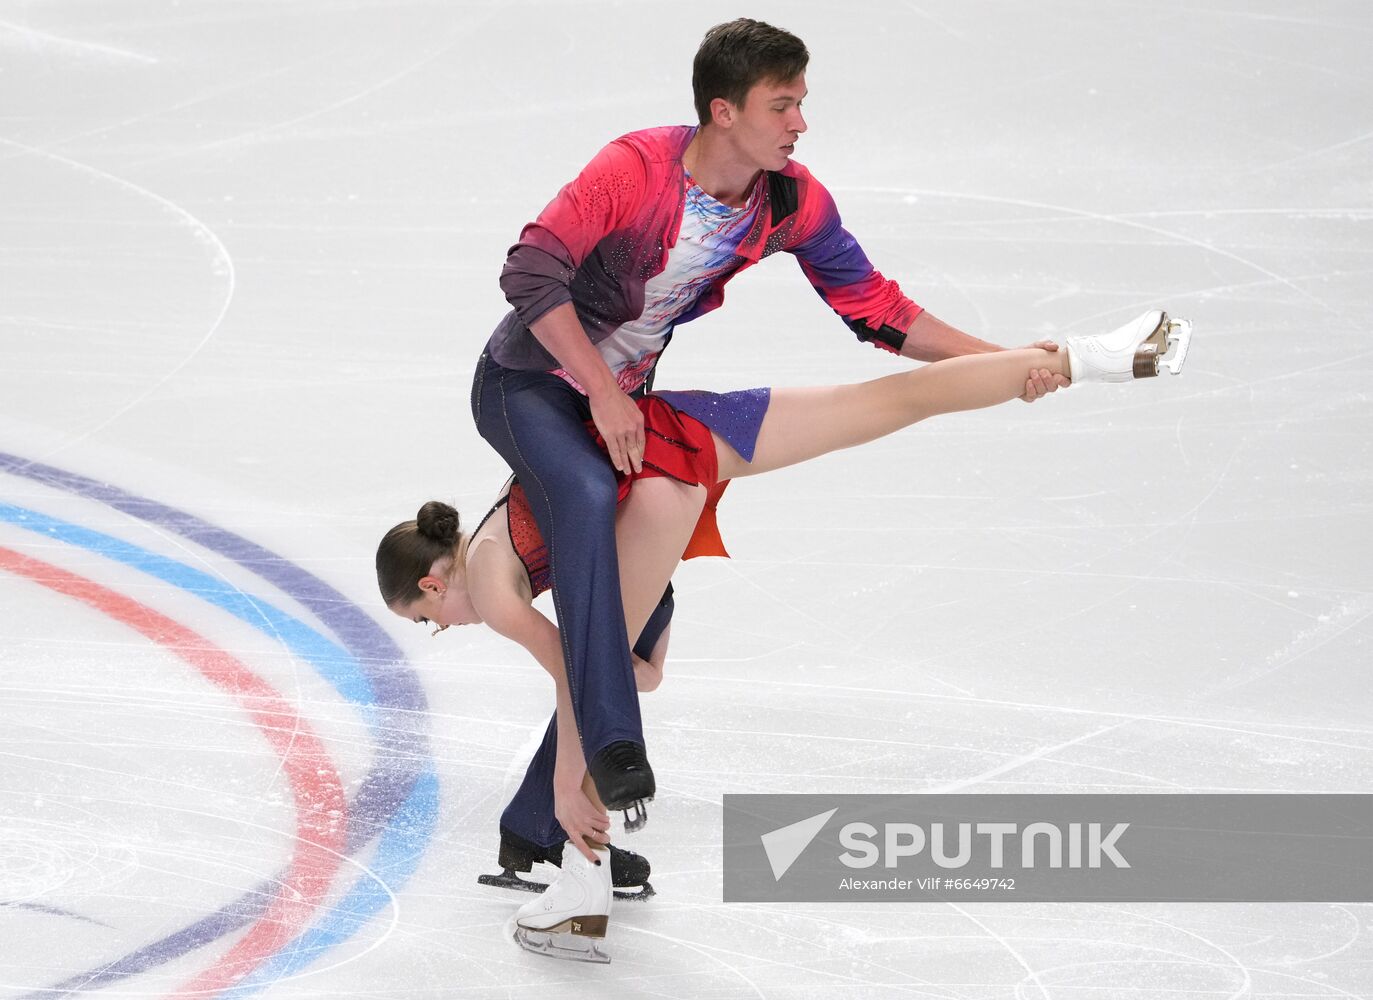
(610,232)
(678,445)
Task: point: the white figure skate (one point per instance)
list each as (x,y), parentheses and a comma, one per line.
(569,920)
(1135,350)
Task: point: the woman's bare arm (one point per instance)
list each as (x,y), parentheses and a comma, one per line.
(509,613)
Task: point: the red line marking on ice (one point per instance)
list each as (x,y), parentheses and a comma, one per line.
(321,806)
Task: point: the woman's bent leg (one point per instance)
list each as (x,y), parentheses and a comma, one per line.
(652,528)
(804,423)
(530,814)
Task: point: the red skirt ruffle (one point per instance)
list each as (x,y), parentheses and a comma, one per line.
(679,447)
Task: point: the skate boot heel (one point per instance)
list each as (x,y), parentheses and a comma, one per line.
(593,925)
(1166,346)
(624,781)
(1147,353)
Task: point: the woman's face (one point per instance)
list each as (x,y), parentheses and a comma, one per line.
(442,602)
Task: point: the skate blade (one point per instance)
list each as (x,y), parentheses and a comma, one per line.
(563,944)
(636,816)
(645,892)
(509,880)
(1179,340)
(1166,346)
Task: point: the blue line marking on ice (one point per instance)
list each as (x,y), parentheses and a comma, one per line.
(397,856)
(334,663)
(406,835)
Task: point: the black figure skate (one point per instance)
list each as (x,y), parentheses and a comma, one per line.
(628,871)
(624,781)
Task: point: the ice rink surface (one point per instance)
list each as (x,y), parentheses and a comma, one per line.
(248,257)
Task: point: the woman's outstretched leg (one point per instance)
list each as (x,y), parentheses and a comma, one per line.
(804,423)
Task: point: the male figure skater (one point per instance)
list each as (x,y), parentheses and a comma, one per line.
(644,240)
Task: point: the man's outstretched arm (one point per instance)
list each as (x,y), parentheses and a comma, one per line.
(931,339)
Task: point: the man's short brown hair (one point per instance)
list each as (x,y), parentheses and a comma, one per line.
(738,54)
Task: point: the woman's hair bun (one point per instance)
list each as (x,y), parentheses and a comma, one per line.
(438,522)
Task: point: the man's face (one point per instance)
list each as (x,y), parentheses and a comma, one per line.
(768,124)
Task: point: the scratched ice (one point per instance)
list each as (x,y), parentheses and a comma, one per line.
(248,255)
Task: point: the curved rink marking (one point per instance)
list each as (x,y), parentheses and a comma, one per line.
(316,789)
(397,802)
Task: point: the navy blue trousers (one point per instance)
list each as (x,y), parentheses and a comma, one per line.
(530,812)
(537,423)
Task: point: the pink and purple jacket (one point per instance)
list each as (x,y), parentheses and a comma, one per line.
(608,232)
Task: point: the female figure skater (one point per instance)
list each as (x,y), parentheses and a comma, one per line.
(696,442)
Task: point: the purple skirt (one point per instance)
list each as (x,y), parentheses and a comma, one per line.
(735,416)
